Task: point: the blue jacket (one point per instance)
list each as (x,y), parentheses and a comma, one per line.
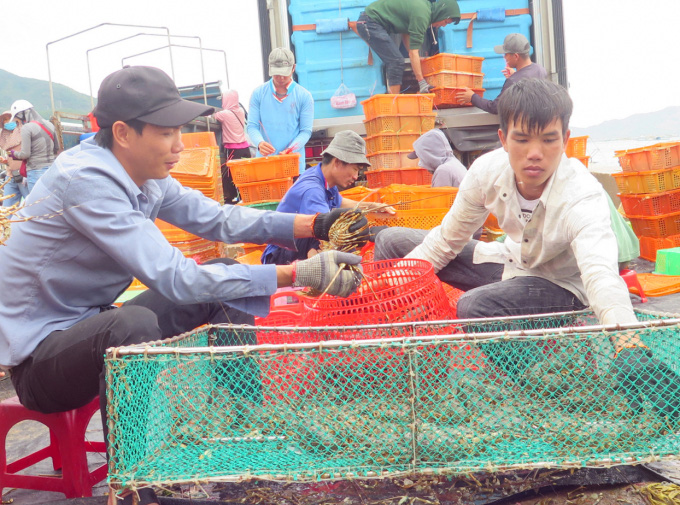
(282,124)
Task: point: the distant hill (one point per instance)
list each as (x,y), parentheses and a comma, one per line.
(662,123)
(14,87)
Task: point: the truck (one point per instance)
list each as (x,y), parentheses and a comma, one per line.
(325,60)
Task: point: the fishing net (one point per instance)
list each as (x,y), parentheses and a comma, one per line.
(484,395)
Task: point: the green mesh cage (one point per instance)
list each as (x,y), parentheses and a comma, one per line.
(445,397)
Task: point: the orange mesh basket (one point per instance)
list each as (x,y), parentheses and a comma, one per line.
(197,165)
(407,197)
(445,98)
(391,142)
(453,79)
(656,226)
(199,139)
(278,166)
(650,245)
(451,62)
(391,159)
(652,204)
(576,147)
(656,157)
(400,124)
(361,194)
(257,192)
(392,105)
(422,219)
(652,181)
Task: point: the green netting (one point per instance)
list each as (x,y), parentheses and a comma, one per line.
(444,397)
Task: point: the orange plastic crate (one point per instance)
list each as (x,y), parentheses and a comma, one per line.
(407,197)
(653,181)
(391,159)
(392,105)
(374,179)
(576,147)
(445,98)
(651,204)
(650,245)
(422,219)
(391,142)
(267,168)
(451,62)
(361,194)
(656,226)
(199,139)
(385,177)
(583,159)
(400,124)
(656,157)
(452,79)
(255,192)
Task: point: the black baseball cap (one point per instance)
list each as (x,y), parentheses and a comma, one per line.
(147,94)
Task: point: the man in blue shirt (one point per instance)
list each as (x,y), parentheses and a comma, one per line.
(281,112)
(317,191)
(92,231)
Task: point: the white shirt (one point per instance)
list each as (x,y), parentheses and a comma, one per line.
(568,240)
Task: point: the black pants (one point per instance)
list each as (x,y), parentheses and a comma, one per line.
(66,370)
(230,191)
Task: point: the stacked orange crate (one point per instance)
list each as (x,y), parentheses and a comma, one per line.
(650,195)
(449,74)
(393,123)
(576,148)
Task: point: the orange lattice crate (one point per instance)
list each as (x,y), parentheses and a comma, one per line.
(391,142)
(278,166)
(651,204)
(576,147)
(650,245)
(451,62)
(400,124)
(422,219)
(391,159)
(656,157)
(407,197)
(652,181)
(361,194)
(256,192)
(199,139)
(451,79)
(392,105)
(445,98)
(414,175)
(656,226)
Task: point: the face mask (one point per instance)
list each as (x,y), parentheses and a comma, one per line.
(10,126)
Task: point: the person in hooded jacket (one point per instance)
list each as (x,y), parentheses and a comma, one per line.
(436,155)
(411,19)
(10,139)
(37,141)
(233,119)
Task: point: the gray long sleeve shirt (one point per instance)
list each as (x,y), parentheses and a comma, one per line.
(36,147)
(530,71)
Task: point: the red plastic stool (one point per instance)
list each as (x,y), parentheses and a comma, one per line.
(632,281)
(68,450)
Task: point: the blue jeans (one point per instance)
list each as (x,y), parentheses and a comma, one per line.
(377,38)
(14,188)
(486,294)
(33,176)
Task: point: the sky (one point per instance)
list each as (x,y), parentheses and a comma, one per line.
(621,54)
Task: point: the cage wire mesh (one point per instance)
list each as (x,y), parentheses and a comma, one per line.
(482,395)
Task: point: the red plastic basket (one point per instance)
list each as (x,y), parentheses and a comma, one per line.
(656,226)
(652,204)
(650,245)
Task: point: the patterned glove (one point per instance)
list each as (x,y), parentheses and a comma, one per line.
(641,376)
(424,86)
(323,222)
(321,271)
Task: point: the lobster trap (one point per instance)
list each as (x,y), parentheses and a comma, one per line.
(445,397)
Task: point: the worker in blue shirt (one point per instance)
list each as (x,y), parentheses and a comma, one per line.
(88,227)
(316,191)
(281,112)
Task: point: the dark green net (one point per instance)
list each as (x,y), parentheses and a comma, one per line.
(445,397)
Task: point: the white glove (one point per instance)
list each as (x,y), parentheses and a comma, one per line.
(323,270)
